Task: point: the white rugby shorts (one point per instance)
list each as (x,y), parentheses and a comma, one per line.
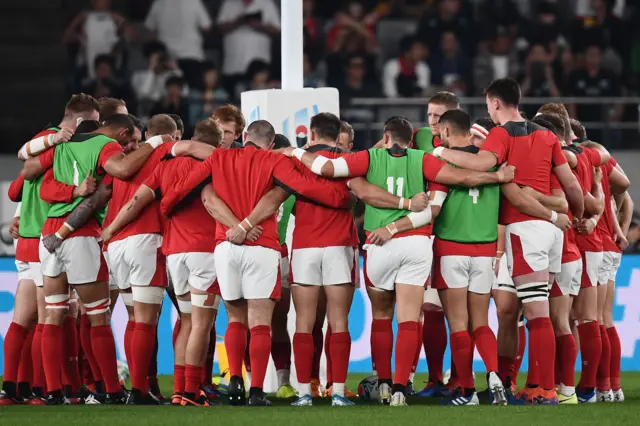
(474,273)
(503,280)
(431,296)
(609,267)
(137,260)
(567,282)
(591,262)
(532,246)
(30,271)
(81,259)
(325,266)
(555,254)
(113,285)
(248,272)
(404,260)
(195,270)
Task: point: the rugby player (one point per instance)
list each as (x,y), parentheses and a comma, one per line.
(111,106)
(231,122)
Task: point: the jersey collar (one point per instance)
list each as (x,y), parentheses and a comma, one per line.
(397,151)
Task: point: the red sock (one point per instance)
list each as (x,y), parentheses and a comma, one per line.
(192,376)
(70,367)
(318,344)
(87,347)
(104,349)
(128,343)
(434,338)
(303,348)
(603,381)
(247,354)
(281,354)
(144,339)
(533,373)
(25,370)
(505,368)
(327,355)
(405,351)
(566,359)
(544,341)
(52,345)
(616,354)
(487,346)
(522,345)
(179,379)
(454,371)
(176,331)
(152,373)
(416,357)
(382,347)
(590,349)
(340,352)
(36,358)
(462,351)
(207,370)
(558,367)
(14,341)
(235,342)
(260,350)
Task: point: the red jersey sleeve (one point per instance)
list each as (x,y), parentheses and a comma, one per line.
(593,155)
(431,166)
(555,182)
(613,162)
(179,191)
(608,168)
(358,163)
(46,158)
(331,193)
(557,157)
(497,142)
(53,191)
(153,180)
(15,189)
(109,150)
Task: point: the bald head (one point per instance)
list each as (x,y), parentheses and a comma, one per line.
(261,133)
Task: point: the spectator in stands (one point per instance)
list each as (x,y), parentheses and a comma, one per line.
(447,15)
(312,31)
(180,26)
(351,19)
(95,32)
(173,102)
(149,84)
(203,102)
(538,79)
(495,59)
(258,77)
(499,13)
(248,28)
(408,75)
(450,66)
(354,84)
(105,83)
(545,27)
(594,81)
(311,78)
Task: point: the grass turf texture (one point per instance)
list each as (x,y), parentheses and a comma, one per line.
(421,410)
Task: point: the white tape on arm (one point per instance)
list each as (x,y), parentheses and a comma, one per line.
(340,167)
(316,166)
(438,199)
(155,141)
(554,217)
(298,153)
(420,219)
(173,150)
(438,151)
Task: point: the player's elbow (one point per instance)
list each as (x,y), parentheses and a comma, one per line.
(435,211)
(563,205)
(621,185)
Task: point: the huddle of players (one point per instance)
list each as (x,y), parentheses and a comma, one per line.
(249,252)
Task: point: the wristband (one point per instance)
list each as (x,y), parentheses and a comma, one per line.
(51,139)
(594,221)
(155,141)
(438,151)
(393,231)
(499,253)
(298,153)
(554,217)
(69,227)
(401,204)
(58,236)
(242,227)
(248,223)
(409,206)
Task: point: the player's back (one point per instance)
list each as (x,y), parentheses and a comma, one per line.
(241,177)
(319,226)
(190,228)
(584,175)
(605,224)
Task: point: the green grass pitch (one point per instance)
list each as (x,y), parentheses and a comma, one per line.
(420,411)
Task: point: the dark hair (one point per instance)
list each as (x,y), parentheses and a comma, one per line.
(459,120)
(87,126)
(261,130)
(179,122)
(104,59)
(207,131)
(545,46)
(119,121)
(485,122)
(407,42)
(281,141)
(161,124)
(208,65)
(546,124)
(174,81)
(230,113)
(400,129)
(137,123)
(326,126)
(255,67)
(345,127)
(506,89)
(557,122)
(448,99)
(578,129)
(109,107)
(81,103)
(153,47)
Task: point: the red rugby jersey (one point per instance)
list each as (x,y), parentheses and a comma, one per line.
(605,224)
(534,151)
(570,251)
(587,160)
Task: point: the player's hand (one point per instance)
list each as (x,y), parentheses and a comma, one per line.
(236,235)
(14,227)
(506,173)
(63,135)
(419,202)
(288,151)
(254,234)
(51,242)
(597,175)
(379,236)
(107,234)
(586,226)
(496,265)
(621,242)
(87,187)
(563,222)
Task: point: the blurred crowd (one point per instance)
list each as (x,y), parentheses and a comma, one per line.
(196,54)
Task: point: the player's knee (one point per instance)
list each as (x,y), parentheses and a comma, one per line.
(56,307)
